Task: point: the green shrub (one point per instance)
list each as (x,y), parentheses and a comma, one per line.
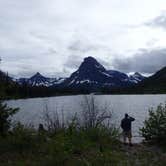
(23,138)
(20,139)
(154,129)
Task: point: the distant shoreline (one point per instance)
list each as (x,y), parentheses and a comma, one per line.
(83,94)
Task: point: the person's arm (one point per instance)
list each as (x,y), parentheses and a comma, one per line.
(132,119)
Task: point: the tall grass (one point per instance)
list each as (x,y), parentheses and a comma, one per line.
(91,117)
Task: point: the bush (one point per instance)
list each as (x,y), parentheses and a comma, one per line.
(20,138)
(23,137)
(154,129)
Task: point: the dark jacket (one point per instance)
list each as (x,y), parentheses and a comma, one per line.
(126,123)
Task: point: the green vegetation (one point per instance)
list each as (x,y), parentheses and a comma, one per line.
(66,147)
(71,147)
(154,129)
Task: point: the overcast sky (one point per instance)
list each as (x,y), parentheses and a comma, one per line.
(53,36)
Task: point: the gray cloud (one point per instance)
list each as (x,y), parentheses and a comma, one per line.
(83,45)
(145,61)
(159,21)
(73,62)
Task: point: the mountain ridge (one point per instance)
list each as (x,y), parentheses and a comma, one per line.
(90,75)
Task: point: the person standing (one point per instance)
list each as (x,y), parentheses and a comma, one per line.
(126,123)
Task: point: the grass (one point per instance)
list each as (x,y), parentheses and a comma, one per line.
(90,147)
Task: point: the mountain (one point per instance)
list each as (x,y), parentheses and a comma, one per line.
(155,83)
(118,75)
(91,75)
(136,77)
(40,80)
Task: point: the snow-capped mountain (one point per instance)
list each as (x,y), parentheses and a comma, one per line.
(89,72)
(40,80)
(92,75)
(119,75)
(136,77)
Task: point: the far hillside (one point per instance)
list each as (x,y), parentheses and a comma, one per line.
(90,77)
(155,84)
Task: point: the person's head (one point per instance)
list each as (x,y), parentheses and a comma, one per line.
(126,115)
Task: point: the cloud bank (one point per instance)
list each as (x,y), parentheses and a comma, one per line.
(145,61)
(53,36)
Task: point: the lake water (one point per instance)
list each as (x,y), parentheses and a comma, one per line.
(31,110)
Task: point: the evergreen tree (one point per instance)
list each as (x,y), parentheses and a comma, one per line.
(155,126)
(5,117)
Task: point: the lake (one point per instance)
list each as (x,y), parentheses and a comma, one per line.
(31,110)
